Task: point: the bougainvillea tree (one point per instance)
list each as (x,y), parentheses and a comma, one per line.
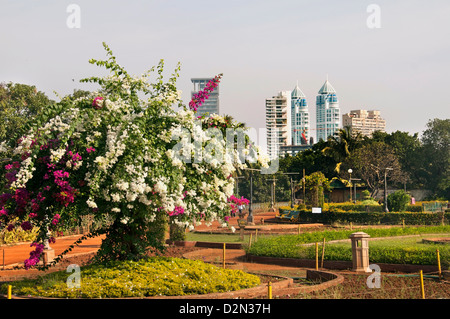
(126,153)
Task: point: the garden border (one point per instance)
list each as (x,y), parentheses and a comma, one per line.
(279,288)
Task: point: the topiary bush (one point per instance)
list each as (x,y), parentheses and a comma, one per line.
(398,200)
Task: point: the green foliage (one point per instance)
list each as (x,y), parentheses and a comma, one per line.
(17,235)
(316,184)
(418,163)
(19,105)
(154,276)
(373,218)
(398,201)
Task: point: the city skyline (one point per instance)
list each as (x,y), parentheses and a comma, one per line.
(262,47)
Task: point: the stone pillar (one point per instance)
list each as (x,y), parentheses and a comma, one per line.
(48,252)
(360,251)
(48,255)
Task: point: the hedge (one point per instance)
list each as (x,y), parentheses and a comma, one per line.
(371,218)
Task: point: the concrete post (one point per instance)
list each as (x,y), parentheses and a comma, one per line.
(360,251)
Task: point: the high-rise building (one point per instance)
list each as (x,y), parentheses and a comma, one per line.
(299,117)
(363,121)
(278,122)
(211,105)
(328,119)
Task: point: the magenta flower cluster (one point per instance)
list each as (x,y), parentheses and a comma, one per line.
(235,202)
(98,102)
(53,185)
(35,255)
(200,97)
(177,211)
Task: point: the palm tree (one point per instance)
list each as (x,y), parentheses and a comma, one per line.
(341,145)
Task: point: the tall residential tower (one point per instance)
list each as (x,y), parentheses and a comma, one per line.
(328,119)
(299,117)
(278,123)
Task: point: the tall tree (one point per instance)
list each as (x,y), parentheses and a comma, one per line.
(341,146)
(436,147)
(371,162)
(19,104)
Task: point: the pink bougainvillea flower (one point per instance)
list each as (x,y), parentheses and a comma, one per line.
(98,102)
(200,97)
(3,211)
(35,255)
(90,149)
(177,211)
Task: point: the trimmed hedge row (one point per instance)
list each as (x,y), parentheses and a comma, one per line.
(371,218)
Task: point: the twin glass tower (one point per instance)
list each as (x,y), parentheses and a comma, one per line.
(327,115)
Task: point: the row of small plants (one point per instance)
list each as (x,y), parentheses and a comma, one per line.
(154,276)
(291,246)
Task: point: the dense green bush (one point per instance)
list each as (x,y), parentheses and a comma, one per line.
(151,277)
(351,207)
(398,201)
(340,216)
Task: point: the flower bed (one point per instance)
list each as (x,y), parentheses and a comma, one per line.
(156,276)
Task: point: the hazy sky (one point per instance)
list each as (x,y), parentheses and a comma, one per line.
(261,47)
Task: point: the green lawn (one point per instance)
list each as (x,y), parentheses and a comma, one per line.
(222,238)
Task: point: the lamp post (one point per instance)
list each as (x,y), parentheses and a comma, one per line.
(272,192)
(350,171)
(385,189)
(250,218)
(292,187)
(354,189)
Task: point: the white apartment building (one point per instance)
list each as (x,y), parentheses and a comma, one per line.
(363,121)
(278,123)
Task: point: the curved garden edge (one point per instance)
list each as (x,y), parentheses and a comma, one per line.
(284,286)
(280,288)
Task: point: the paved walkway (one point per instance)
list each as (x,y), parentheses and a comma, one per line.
(11,255)
(17,253)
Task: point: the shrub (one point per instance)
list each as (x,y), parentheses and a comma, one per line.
(151,277)
(368,217)
(398,200)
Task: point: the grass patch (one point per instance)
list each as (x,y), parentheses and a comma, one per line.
(154,276)
(393,250)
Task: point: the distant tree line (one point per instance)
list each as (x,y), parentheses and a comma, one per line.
(410,161)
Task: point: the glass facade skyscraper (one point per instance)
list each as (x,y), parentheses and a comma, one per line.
(328,118)
(299,117)
(211,105)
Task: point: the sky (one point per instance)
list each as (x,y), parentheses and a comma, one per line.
(394,58)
